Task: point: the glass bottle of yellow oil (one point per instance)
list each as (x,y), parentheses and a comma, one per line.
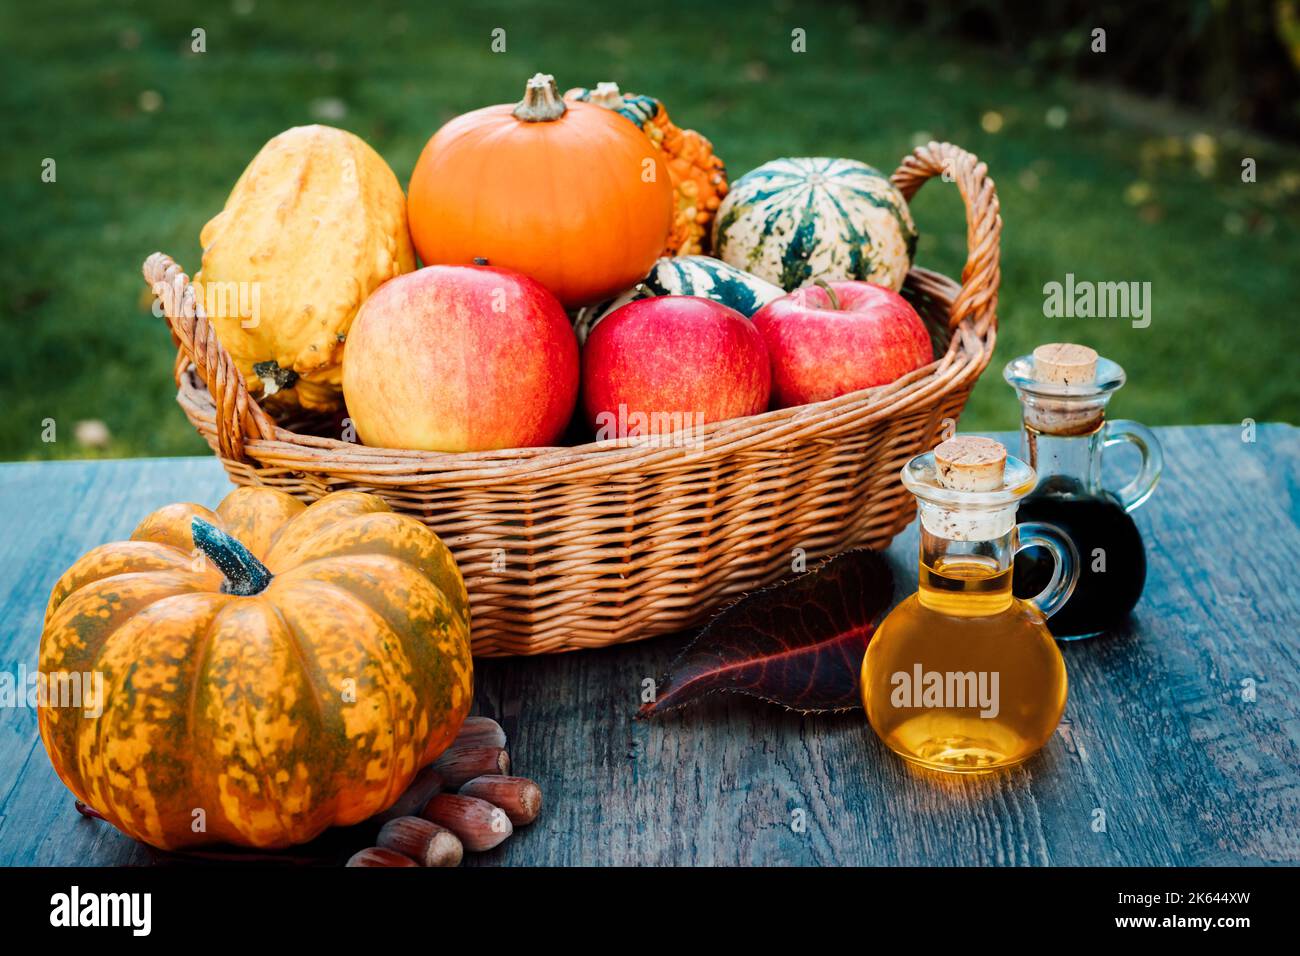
(963,676)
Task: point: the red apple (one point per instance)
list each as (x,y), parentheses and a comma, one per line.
(822,349)
(659,364)
(460,358)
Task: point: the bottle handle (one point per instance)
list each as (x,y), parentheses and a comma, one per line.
(1153,459)
(1065,574)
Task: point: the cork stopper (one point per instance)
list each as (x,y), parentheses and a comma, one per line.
(1062,363)
(1071,366)
(970,463)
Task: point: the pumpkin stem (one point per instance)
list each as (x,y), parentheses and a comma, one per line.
(245,575)
(607,95)
(274,378)
(88,811)
(830,293)
(542,102)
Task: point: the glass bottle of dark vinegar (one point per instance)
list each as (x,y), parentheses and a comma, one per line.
(1063,391)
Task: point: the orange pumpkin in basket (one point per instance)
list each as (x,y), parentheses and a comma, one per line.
(296,678)
(570,194)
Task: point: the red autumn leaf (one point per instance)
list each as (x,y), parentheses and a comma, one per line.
(798,643)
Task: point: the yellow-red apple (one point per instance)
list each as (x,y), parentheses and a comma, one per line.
(460,358)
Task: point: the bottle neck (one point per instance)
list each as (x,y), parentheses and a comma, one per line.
(1066,464)
(966,578)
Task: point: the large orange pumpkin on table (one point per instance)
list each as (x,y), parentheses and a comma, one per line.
(295,678)
(570,194)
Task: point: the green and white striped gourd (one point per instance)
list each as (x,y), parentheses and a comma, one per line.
(701,276)
(793,220)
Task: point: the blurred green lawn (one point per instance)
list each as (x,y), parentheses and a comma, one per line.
(149,137)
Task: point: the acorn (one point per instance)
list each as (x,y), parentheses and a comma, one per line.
(428,844)
(422,789)
(479,825)
(480,732)
(519,797)
(460,764)
(379,856)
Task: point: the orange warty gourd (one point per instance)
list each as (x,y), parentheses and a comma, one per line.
(269,669)
(314,225)
(570,194)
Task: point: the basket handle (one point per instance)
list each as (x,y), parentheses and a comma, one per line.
(238,416)
(978,298)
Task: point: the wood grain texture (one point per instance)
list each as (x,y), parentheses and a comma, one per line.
(1157,733)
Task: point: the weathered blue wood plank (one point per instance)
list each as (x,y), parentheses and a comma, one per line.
(51,514)
(1156,735)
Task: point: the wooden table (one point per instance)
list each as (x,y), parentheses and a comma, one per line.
(1162,758)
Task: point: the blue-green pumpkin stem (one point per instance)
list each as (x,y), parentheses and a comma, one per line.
(245,575)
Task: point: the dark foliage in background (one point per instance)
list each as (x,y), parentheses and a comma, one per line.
(1237,59)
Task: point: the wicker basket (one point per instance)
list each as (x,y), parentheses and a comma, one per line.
(566,548)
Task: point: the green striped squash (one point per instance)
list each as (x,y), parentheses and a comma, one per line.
(701,276)
(793,220)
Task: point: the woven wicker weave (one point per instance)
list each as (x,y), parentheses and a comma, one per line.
(586,546)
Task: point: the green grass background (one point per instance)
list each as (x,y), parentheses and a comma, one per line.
(149,137)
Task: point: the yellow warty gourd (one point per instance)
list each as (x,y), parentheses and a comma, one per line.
(315,224)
